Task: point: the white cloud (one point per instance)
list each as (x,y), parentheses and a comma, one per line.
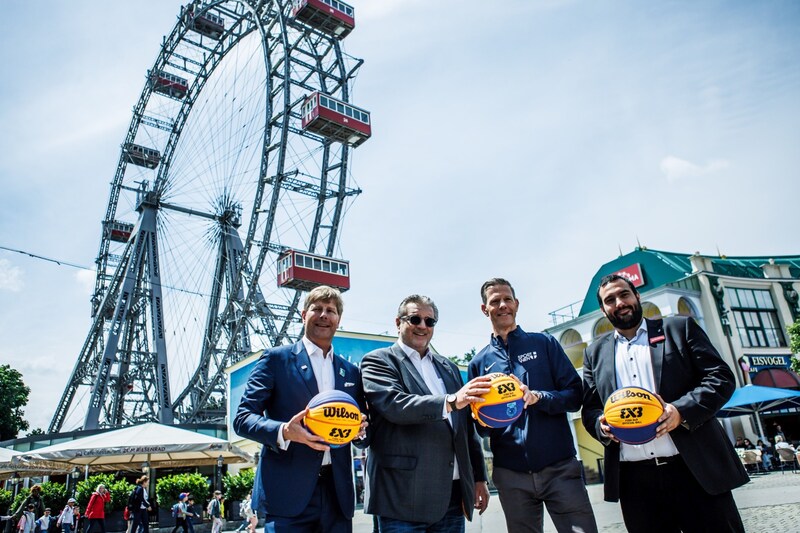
(85,279)
(677,169)
(10,277)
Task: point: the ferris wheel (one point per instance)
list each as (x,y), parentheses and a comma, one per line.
(232,183)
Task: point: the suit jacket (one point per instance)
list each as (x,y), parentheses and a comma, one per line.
(280,386)
(690,374)
(410,461)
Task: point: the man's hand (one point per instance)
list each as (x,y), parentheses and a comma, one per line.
(606,429)
(362,429)
(295,431)
(528,396)
(669,419)
(472,392)
(481,496)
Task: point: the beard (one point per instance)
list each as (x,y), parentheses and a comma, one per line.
(628,322)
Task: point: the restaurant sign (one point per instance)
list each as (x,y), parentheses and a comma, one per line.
(633,273)
(760,362)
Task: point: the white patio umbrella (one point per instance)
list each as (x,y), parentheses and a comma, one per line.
(9,465)
(159,445)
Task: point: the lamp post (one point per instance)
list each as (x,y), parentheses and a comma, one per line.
(15,483)
(75,474)
(220,462)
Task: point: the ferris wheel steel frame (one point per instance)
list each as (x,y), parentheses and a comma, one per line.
(123,366)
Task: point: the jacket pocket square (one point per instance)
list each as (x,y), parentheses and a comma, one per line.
(349,384)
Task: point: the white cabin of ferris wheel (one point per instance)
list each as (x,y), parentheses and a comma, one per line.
(336,120)
(204,23)
(168,84)
(329,16)
(117,231)
(304,271)
(141,155)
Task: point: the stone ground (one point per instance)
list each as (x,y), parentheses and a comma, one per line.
(769,503)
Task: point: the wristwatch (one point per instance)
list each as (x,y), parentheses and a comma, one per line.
(451,401)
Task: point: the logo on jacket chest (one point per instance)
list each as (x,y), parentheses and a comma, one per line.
(525,357)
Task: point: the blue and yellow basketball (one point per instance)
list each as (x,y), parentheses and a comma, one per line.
(502,404)
(335,416)
(632,413)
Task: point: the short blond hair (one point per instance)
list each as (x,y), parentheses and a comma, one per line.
(324,293)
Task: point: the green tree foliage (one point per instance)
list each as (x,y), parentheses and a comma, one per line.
(464,359)
(13,398)
(5,501)
(169,487)
(794,344)
(54,496)
(21,495)
(119,488)
(236,487)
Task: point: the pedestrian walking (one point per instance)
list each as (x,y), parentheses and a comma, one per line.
(179,512)
(67,517)
(96,509)
(44,521)
(215,512)
(26,521)
(140,505)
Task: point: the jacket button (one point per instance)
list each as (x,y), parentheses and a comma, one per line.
(451,463)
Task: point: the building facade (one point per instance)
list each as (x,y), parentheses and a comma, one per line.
(744,304)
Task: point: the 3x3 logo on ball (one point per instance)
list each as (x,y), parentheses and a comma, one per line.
(339,433)
(504,388)
(630,412)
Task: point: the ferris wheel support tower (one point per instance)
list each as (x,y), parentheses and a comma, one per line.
(237,157)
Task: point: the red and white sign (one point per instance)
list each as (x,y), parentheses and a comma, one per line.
(633,273)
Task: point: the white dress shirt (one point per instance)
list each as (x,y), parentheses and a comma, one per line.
(424,366)
(634,367)
(322,366)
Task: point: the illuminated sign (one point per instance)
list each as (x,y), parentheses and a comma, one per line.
(633,273)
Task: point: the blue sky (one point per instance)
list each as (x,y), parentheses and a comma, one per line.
(526,139)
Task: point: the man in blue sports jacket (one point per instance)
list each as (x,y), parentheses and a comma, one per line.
(534,458)
(302,485)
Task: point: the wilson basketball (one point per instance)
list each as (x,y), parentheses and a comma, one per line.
(632,413)
(503,403)
(335,416)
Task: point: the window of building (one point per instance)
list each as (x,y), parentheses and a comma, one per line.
(756,318)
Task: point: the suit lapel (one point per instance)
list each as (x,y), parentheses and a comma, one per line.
(405,360)
(655,337)
(304,369)
(451,382)
(606,365)
(338,373)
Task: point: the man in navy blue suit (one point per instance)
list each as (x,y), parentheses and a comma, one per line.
(302,485)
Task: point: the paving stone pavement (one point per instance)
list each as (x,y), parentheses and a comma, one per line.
(770,503)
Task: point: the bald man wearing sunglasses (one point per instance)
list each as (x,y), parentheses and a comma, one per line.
(425,467)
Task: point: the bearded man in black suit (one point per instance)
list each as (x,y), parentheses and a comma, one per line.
(682,480)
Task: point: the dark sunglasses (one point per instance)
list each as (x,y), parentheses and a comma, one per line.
(415,320)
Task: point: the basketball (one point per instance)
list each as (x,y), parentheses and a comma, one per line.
(503,403)
(335,416)
(632,413)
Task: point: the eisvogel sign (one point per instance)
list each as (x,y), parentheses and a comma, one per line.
(760,362)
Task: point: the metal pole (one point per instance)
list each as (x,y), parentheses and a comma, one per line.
(220,462)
